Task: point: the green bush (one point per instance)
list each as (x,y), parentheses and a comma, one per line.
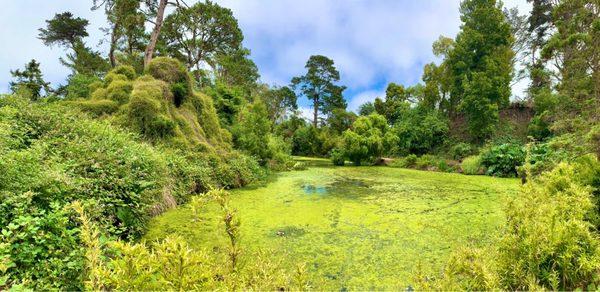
(364,142)
(461,150)
(119,91)
(100,93)
(472,165)
(79,86)
(175,74)
(503,160)
(125,70)
(112,77)
(338,157)
(547,226)
(98,107)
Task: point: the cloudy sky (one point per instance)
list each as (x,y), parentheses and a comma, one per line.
(373,42)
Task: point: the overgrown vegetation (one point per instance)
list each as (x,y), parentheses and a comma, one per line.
(180,110)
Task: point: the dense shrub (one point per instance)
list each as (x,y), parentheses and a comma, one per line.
(338,157)
(365,141)
(503,159)
(127,71)
(175,74)
(79,86)
(119,91)
(461,150)
(419,133)
(547,243)
(98,107)
(472,165)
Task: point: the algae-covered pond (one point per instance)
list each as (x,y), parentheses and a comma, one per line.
(355,227)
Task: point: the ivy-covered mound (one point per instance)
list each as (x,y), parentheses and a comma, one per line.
(139,146)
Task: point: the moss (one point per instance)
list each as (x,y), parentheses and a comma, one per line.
(363,228)
(127,71)
(111,77)
(100,93)
(98,107)
(96,85)
(174,73)
(119,91)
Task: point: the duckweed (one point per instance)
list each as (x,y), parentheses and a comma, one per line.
(354,227)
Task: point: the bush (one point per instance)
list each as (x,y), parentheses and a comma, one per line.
(79,86)
(547,226)
(119,91)
(112,77)
(472,165)
(98,107)
(547,243)
(175,74)
(461,150)
(125,70)
(503,160)
(337,157)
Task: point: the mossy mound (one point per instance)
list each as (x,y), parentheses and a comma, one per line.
(175,74)
(160,105)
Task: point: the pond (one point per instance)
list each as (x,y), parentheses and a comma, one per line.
(355,227)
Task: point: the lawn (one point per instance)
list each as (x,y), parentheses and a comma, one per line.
(355,227)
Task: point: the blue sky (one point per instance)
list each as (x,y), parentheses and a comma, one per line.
(373,42)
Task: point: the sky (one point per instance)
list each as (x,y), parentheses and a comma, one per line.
(372,42)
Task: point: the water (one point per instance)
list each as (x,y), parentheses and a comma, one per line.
(355,228)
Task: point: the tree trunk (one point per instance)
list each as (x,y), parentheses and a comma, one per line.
(113,46)
(155,32)
(315,114)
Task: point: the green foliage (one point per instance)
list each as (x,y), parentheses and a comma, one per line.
(338,157)
(79,86)
(252,131)
(480,62)
(365,140)
(98,107)
(418,132)
(119,91)
(461,150)
(64,30)
(30,80)
(503,160)
(318,86)
(125,70)
(175,74)
(546,225)
(472,165)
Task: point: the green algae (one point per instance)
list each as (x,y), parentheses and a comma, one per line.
(354,227)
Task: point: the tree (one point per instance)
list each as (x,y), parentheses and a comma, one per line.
(481,65)
(365,141)
(85,61)
(279,102)
(30,79)
(366,109)
(155,8)
(126,27)
(252,131)
(198,34)
(64,30)
(237,69)
(318,86)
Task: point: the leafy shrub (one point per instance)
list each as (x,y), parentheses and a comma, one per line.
(112,77)
(337,157)
(472,165)
(365,140)
(119,91)
(419,132)
(547,226)
(593,139)
(125,70)
(175,74)
(461,150)
(99,94)
(79,86)
(547,243)
(98,107)
(503,159)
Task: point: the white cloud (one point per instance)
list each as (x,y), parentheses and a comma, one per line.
(364,97)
